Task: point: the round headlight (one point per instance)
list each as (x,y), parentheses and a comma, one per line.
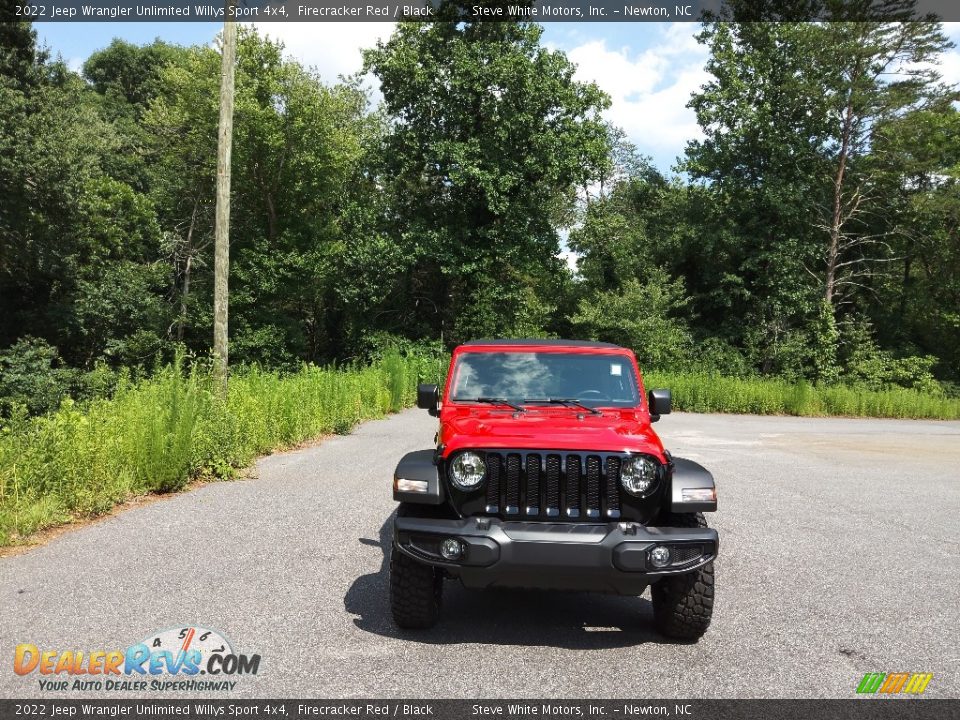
(638,475)
(467,470)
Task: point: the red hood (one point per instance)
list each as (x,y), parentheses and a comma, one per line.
(549,429)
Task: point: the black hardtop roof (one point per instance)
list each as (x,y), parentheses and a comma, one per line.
(549,342)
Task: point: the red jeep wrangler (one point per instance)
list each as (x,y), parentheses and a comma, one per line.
(547,474)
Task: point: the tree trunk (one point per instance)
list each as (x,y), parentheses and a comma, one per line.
(904,287)
(183,298)
(185,294)
(271,220)
(836,221)
(221,268)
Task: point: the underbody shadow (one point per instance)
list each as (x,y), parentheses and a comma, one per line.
(573,620)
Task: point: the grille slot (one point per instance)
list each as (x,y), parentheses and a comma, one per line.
(553,485)
(493,483)
(573,486)
(533,485)
(613,487)
(593,486)
(512,501)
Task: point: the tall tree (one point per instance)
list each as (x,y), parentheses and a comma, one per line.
(127,78)
(491,137)
(760,160)
(68,227)
(305,217)
(917,307)
(791,116)
(872,73)
(307,257)
(181,148)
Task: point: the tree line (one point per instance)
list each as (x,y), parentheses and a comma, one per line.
(812,233)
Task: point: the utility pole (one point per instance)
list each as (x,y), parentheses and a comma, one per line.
(221,265)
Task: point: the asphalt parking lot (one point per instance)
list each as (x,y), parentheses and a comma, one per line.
(839,556)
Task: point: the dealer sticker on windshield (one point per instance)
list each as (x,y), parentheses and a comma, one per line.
(616,369)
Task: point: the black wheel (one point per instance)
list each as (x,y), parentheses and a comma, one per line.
(415,592)
(683,604)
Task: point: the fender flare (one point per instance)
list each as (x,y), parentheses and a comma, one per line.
(420,466)
(690,475)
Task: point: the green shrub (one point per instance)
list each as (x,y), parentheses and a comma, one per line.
(710,392)
(865,364)
(643,316)
(155,435)
(716,355)
(31,376)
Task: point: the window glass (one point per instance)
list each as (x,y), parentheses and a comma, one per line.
(594,379)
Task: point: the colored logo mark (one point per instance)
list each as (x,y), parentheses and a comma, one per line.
(893,683)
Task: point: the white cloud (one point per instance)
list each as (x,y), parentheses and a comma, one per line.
(649,90)
(333,48)
(615,71)
(681,40)
(566,254)
(949,66)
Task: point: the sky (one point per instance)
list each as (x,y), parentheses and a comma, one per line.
(648,69)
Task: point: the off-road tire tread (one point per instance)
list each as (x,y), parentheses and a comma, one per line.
(683,604)
(416,591)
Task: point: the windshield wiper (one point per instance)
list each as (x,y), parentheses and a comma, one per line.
(500,401)
(565,401)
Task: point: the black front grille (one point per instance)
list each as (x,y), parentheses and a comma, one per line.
(547,485)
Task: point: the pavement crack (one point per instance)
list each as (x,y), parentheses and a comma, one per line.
(852,653)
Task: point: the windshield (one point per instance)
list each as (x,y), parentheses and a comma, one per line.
(531,377)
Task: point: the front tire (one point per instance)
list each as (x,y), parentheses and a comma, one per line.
(683,604)
(416,591)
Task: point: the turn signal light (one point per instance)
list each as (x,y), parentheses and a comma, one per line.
(417,486)
(698,494)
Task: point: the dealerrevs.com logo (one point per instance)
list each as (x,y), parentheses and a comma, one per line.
(187,658)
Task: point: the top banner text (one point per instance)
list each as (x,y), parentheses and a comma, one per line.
(479,10)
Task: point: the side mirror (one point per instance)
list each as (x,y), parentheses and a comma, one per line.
(660,403)
(428,398)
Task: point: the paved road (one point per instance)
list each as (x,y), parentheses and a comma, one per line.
(839,557)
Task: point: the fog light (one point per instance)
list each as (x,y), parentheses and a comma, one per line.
(660,556)
(451,549)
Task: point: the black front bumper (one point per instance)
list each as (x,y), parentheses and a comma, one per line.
(608,557)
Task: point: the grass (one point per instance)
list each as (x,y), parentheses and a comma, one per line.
(705,392)
(156,435)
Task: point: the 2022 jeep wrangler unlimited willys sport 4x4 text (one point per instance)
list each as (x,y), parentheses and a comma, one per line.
(547,474)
